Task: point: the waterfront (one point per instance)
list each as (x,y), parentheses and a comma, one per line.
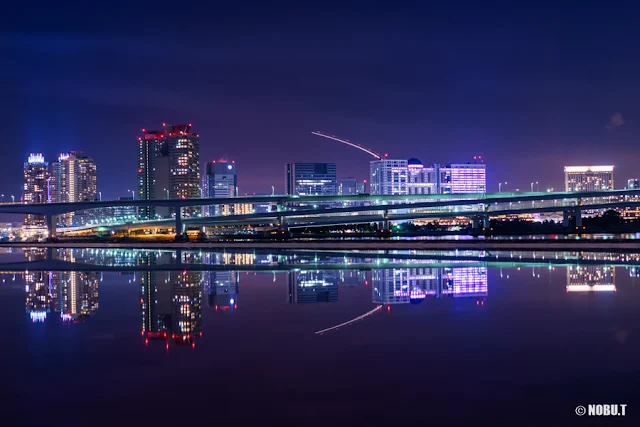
(437,337)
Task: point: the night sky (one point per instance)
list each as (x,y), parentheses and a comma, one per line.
(531,88)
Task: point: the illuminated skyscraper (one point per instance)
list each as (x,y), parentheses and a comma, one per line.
(588,178)
(219,181)
(73,179)
(317,179)
(153,171)
(35,188)
(168,167)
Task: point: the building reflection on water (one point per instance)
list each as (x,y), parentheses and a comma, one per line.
(308,287)
(591,278)
(72,294)
(413,285)
(170,304)
(37,284)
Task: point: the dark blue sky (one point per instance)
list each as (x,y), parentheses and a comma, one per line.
(530,87)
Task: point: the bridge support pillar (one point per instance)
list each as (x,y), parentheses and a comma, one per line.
(485,222)
(578,217)
(282,223)
(565,218)
(475,223)
(51,226)
(384,224)
(179,225)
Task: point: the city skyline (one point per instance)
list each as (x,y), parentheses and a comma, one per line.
(526,98)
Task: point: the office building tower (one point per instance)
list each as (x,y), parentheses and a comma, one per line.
(219,181)
(421,180)
(632,213)
(168,168)
(460,178)
(588,178)
(388,177)
(73,179)
(351,187)
(35,187)
(316,179)
(391,177)
(153,171)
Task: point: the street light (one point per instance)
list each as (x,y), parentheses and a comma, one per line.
(2,199)
(500,186)
(532,185)
(13,198)
(100,195)
(133,195)
(167,191)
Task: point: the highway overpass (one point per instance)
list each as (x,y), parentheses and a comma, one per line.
(304,211)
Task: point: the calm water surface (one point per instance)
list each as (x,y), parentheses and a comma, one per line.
(435,338)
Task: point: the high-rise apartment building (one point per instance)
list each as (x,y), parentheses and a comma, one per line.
(315,179)
(219,181)
(73,179)
(168,167)
(588,178)
(35,187)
